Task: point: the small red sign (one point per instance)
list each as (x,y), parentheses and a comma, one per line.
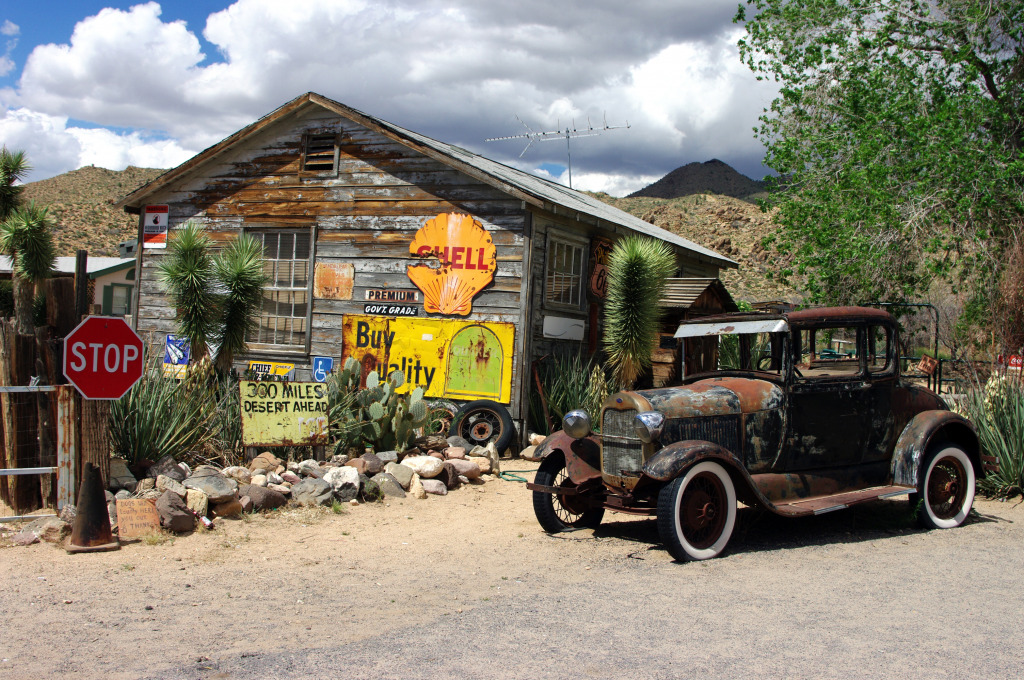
(103,357)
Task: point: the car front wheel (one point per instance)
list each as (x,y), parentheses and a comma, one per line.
(557,513)
(697,512)
(947,488)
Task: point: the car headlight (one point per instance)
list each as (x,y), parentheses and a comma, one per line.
(576,424)
(647,426)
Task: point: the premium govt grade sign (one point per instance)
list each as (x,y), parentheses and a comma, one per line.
(283,413)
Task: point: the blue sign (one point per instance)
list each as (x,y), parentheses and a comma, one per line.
(176,356)
(321,367)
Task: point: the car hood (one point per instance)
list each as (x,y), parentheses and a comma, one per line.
(715,396)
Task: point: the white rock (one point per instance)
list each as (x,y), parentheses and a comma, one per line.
(342,477)
(536,439)
(416,488)
(259,480)
(482,462)
(529,453)
(238,473)
(165,483)
(274,478)
(309,464)
(424,466)
(197,501)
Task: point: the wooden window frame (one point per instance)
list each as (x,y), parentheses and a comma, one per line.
(302,348)
(318,141)
(560,238)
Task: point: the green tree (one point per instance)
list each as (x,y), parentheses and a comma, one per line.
(637,269)
(217,296)
(27,237)
(13,168)
(898,135)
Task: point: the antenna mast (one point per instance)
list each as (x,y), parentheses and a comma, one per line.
(570,132)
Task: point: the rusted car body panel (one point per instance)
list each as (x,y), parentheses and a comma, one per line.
(924,429)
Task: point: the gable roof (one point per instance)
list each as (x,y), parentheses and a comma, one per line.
(534,190)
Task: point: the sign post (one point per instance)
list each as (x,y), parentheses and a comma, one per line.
(103,357)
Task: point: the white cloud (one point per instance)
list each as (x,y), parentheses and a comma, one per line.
(454,69)
(9,28)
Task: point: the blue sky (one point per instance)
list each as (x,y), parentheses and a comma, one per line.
(152,84)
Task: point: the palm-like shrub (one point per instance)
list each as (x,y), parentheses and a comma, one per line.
(637,269)
(997,411)
(568,382)
(187,272)
(27,237)
(13,168)
(239,269)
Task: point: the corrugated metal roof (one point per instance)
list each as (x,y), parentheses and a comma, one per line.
(683,292)
(66,265)
(522,184)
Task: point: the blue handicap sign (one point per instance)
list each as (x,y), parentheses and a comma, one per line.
(321,367)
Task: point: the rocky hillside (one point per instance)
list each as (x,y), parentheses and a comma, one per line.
(710,177)
(730,226)
(81,201)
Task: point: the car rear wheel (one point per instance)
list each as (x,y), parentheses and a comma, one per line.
(946,488)
(697,512)
(557,513)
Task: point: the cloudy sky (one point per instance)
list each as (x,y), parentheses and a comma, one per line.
(117,84)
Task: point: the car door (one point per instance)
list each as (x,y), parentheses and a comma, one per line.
(828,400)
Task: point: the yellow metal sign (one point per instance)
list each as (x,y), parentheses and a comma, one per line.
(264,369)
(448,358)
(283,413)
(466,261)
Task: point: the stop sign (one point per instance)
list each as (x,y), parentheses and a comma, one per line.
(103,357)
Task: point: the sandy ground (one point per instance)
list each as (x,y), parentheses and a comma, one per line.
(469,585)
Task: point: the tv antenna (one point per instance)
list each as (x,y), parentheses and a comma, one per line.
(570,132)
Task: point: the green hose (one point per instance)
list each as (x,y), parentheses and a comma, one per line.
(508,476)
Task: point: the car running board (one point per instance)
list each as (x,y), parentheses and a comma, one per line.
(819,505)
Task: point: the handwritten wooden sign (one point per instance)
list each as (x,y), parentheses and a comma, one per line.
(928,364)
(137,517)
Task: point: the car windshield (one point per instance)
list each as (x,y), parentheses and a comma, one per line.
(714,351)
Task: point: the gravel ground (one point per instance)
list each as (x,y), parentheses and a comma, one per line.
(468,585)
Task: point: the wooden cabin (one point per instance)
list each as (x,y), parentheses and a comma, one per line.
(397,249)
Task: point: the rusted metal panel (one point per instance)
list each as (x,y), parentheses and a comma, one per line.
(333,281)
(67,452)
(920,432)
(283,413)
(447,357)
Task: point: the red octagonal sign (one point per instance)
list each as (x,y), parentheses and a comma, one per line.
(103,357)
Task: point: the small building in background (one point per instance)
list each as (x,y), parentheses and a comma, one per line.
(111,281)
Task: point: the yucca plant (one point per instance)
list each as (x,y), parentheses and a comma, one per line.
(160,416)
(188,273)
(637,269)
(14,167)
(997,411)
(26,235)
(239,269)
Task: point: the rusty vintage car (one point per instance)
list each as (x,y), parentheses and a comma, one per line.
(800,414)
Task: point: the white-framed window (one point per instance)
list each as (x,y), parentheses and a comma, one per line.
(566,267)
(284,316)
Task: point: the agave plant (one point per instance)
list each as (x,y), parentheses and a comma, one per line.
(637,269)
(997,411)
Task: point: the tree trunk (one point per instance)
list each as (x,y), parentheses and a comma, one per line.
(24,293)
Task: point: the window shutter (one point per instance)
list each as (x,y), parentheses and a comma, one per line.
(108,299)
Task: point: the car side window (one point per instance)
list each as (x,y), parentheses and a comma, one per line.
(826,352)
(880,355)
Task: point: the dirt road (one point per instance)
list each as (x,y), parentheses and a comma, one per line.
(468,585)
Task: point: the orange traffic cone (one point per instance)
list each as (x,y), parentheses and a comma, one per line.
(90,531)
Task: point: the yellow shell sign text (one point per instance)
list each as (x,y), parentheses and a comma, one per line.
(447,357)
(466,257)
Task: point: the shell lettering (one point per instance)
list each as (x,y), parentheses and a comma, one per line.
(464,260)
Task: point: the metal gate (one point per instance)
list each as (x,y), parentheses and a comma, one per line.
(64,443)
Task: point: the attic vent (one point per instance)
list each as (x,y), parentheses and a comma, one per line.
(321,153)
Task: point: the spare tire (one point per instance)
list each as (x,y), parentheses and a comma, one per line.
(483,422)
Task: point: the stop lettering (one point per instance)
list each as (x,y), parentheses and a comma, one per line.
(103,357)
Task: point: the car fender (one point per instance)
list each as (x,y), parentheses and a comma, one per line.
(675,459)
(924,429)
(582,456)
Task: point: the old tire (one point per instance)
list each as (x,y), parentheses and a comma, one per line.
(441,415)
(561,513)
(946,488)
(483,422)
(697,512)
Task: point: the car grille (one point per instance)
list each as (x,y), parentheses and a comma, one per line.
(621,452)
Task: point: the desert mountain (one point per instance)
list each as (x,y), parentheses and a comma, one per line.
(82,201)
(710,177)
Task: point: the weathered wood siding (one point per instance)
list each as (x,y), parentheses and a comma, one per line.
(365,215)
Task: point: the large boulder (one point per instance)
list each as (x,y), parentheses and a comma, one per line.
(449,476)
(310,468)
(344,481)
(265,461)
(434,486)
(168,467)
(238,473)
(197,501)
(426,467)
(388,485)
(120,476)
(403,473)
(369,490)
(210,481)
(467,468)
(165,483)
(174,514)
(263,498)
(373,464)
(312,491)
